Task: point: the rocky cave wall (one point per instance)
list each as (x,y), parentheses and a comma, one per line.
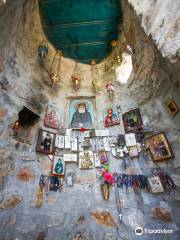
(155,60)
(24,83)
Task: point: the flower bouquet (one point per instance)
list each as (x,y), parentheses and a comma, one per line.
(108,180)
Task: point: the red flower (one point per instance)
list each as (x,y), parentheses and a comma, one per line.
(108,177)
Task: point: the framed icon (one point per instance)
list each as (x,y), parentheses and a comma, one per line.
(131,119)
(159,147)
(172,107)
(46,142)
(58,165)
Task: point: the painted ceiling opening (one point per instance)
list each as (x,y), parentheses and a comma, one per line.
(89,151)
(81,29)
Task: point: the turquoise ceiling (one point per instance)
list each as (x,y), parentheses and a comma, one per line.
(81,29)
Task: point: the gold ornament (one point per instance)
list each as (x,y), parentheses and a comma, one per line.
(113,43)
(76,76)
(54,72)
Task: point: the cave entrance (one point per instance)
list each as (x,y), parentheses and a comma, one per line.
(24,128)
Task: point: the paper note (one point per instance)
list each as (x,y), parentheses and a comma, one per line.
(74,145)
(59,143)
(70,157)
(67,142)
(130,139)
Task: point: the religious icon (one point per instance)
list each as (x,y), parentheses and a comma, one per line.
(111,116)
(70,157)
(102,156)
(58,166)
(130,139)
(172,107)
(159,147)
(155,184)
(131,119)
(86,160)
(59,143)
(52,118)
(81,114)
(133,151)
(46,142)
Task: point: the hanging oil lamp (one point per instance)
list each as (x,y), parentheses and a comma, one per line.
(114,46)
(54,72)
(76,76)
(42,52)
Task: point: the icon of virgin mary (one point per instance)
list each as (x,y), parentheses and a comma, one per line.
(81,118)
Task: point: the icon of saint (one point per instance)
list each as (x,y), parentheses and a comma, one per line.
(81,118)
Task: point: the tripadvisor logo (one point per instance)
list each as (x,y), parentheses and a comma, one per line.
(139,231)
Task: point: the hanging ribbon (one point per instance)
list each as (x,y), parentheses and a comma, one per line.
(167,182)
(39,197)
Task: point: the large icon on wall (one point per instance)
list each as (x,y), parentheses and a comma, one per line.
(46,142)
(159,147)
(110,116)
(52,118)
(81,113)
(132,119)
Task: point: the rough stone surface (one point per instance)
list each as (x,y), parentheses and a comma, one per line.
(153,75)
(161,214)
(161,20)
(25,174)
(7,223)
(10,201)
(104,218)
(24,83)
(6,165)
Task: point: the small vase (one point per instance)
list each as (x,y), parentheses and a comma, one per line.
(105,191)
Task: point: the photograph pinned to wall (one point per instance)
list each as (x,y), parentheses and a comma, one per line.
(74,145)
(58,151)
(52,117)
(106,143)
(130,139)
(70,157)
(133,151)
(102,133)
(67,142)
(110,116)
(86,160)
(86,143)
(102,156)
(81,114)
(131,119)
(58,166)
(172,107)
(46,142)
(159,147)
(155,184)
(59,143)
(97,162)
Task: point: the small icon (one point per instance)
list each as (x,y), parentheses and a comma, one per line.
(139,231)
